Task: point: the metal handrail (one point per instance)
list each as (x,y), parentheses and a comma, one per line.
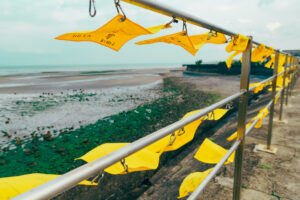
(218,166)
(268,79)
(171,12)
(70,179)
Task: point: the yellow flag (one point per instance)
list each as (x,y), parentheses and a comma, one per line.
(200,40)
(258,53)
(156,29)
(262,114)
(114,34)
(191,182)
(238,44)
(212,153)
(148,157)
(139,161)
(269,51)
(234,135)
(16,185)
(185,135)
(270,62)
(258,87)
(180,39)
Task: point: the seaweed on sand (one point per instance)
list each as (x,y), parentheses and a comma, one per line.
(56,156)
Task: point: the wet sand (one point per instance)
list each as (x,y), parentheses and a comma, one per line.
(56,81)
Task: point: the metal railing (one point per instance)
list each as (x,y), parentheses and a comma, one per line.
(70,179)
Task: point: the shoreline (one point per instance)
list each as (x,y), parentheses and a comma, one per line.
(131,125)
(41,82)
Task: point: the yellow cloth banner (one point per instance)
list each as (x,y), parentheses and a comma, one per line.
(238,44)
(259,53)
(180,39)
(114,34)
(156,29)
(210,152)
(148,158)
(185,135)
(258,87)
(200,40)
(139,161)
(262,114)
(16,185)
(191,182)
(234,135)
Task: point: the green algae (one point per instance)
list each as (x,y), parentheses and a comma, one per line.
(56,155)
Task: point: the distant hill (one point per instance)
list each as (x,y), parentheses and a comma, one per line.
(294,52)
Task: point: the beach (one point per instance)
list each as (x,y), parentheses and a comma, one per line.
(39,103)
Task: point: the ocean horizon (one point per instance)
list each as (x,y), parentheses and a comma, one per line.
(33,69)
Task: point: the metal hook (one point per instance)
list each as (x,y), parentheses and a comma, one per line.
(229,105)
(100,175)
(174,20)
(171,142)
(124,165)
(211,115)
(119,8)
(184,28)
(92,2)
(211,34)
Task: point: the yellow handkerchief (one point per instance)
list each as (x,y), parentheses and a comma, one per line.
(238,44)
(114,34)
(16,185)
(180,39)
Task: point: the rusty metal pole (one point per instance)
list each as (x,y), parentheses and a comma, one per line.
(242,114)
(283,88)
(273,101)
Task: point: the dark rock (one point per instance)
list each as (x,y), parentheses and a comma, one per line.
(61,150)
(18,141)
(27,151)
(47,136)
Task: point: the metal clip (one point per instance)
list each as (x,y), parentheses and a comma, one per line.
(211,115)
(92,2)
(229,105)
(174,20)
(124,165)
(211,34)
(184,28)
(100,175)
(119,8)
(171,142)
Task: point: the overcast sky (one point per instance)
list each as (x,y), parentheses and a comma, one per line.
(27,29)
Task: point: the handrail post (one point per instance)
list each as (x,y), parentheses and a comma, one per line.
(288,87)
(283,88)
(292,80)
(273,101)
(242,114)
(293,77)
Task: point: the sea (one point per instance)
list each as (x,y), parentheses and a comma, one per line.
(30,69)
